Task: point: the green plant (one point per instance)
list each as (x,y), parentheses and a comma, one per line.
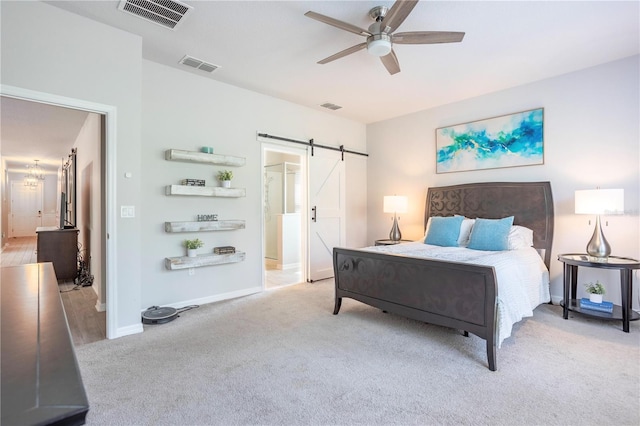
(225,175)
(596,288)
(193,244)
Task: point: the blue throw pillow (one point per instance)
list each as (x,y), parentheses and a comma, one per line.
(444,231)
(491,234)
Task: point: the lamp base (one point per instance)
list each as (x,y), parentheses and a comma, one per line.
(598,245)
(395,234)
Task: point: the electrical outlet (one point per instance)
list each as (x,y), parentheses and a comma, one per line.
(192,271)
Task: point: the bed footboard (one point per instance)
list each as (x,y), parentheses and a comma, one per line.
(450,294)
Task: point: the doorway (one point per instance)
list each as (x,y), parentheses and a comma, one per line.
(105,189)
(284,201)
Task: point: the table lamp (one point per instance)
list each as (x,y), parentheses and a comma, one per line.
(597,202)
(395,204)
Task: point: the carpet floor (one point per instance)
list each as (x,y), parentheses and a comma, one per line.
(282,358)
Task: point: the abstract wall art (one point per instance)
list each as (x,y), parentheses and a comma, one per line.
(506,141)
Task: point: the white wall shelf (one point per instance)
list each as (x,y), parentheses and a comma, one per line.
(205,191)
(202,157)
(216,225)
(185,262)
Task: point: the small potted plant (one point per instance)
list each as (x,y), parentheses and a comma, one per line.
(595,291)
(225,177)
(192,246)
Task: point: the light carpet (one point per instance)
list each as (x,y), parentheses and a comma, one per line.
(282,358)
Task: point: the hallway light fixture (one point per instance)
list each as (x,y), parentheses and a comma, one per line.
(395,204)
(34,175)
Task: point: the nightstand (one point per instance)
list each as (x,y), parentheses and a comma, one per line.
(625,265)
(391,242)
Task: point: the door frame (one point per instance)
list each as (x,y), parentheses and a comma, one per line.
(109,234)
(286,148)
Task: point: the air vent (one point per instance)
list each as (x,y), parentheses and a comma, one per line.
(168,13)
(198,64)
(331,106)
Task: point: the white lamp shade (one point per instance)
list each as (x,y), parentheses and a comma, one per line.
(600,201)
(395,204)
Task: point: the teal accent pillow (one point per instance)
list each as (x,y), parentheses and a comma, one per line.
(444,231)
(491,234)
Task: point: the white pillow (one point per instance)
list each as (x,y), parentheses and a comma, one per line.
(520,237)
(465,231)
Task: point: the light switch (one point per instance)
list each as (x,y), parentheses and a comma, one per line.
(127,211)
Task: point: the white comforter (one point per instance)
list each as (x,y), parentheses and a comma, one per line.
(523,279)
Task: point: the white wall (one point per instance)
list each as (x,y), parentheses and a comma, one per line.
(89,199)
(591,133)
(48,50)
(208,113)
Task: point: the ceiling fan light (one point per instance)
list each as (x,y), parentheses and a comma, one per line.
(379,45)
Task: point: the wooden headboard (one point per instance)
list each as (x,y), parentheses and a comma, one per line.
(530,204)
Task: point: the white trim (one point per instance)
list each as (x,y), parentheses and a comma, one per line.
(128,330)
(110,177)
(215,298)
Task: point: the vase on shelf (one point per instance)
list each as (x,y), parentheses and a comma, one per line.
(192,252)
(595,298)
(226,184)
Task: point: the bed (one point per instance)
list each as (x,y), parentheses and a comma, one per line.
(457,294)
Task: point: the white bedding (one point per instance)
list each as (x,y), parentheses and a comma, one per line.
(522,277)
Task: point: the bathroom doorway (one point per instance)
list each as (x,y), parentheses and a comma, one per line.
(284,201)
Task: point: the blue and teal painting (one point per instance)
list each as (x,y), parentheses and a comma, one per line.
(507,141)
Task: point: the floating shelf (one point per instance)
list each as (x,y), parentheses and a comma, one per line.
(202,157)
(216,225)
(185,262)
(205,191)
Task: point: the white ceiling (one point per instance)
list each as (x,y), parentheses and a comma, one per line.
(272,48)
(34,131)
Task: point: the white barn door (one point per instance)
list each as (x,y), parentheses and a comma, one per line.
(327,211)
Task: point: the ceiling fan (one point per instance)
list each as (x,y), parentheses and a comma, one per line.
(380,37)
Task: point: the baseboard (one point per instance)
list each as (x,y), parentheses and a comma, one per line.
(286,266)
(214,298)
(556,299)
(128,330)
(101,307)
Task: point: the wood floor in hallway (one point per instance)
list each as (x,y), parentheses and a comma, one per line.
(85,322)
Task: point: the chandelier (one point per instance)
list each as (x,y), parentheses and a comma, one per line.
(34,175)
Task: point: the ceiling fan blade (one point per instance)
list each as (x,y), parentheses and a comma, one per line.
(397,14)
(427,37)
(345,52)
(337,23)
(390,62)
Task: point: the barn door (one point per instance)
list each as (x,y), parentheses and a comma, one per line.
(327,211)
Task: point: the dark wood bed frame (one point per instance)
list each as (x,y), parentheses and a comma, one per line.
(450,294)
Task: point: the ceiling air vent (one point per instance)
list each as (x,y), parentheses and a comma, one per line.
(331,106)
(198,64)
(168,13)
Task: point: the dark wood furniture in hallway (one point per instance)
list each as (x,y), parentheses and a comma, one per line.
(59,246)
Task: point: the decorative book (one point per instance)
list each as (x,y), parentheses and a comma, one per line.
(192,182)
(600,307)
(224,250)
